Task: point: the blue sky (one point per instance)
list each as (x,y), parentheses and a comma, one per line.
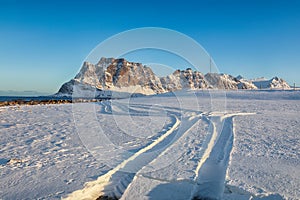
(43,43)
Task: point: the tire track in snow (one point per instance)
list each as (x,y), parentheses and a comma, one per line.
(136,189)
(114,183)
(211,170)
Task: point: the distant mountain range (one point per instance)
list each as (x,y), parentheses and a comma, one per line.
(22,93)
(118,76)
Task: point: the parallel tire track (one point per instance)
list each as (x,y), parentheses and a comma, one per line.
(211,170)
(114,182)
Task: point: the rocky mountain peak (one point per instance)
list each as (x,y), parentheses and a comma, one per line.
(120,75)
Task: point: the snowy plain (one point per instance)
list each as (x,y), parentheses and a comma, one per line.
(214,144)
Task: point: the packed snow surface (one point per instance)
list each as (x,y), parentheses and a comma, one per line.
(183,145)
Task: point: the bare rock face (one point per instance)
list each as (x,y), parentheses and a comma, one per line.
(126,74)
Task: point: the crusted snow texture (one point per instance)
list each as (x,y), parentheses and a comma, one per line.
(121,76)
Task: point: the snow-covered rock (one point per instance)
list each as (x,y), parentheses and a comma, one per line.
(221,81)
(120,78)
(111,74)
(243,84)
(185,79)
(273,83)
(239,77)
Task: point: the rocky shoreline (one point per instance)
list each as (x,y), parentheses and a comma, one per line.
(20,102)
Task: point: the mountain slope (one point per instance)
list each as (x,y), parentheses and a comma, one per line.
(122,78)
(185,79)
(116,75)
(273,83)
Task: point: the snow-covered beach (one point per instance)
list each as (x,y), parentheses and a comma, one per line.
(217,144)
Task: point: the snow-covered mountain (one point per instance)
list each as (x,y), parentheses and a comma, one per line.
(273,83)
(111,74)
(225,81)
(122,78)
(184,79)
